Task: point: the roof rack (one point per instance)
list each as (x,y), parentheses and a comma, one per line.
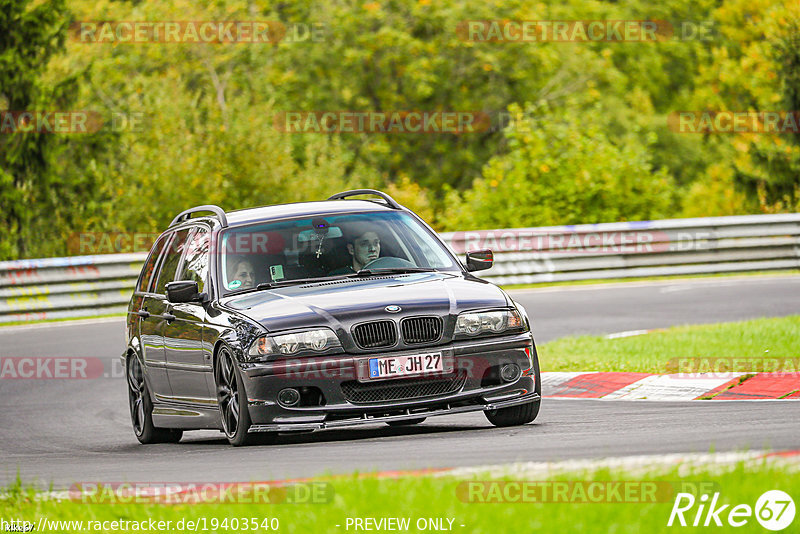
(185,215)
(389,200)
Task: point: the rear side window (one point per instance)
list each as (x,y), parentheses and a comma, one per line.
(172,258)
(195,266)
(150,264)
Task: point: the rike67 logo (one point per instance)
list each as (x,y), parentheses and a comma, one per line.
(774,510)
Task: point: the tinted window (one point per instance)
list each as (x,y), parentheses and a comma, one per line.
(171,259)
(195,266)
(150,264)
(327,246)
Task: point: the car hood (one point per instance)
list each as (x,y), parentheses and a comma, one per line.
(341,303)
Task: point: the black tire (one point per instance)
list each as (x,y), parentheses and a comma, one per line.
(232,400)
(514,415)
(523,413)
(406,422)
(141,407)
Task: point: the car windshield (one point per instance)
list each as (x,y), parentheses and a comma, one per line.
(329,246)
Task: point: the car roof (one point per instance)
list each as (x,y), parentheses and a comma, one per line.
(303,209)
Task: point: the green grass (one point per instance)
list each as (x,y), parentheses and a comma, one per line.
(651,353)
(446,497)
(676,277)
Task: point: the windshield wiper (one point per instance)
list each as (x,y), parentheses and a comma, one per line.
(359,274)
(281,283)
(393,270)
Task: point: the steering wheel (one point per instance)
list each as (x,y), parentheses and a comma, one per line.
(388,262)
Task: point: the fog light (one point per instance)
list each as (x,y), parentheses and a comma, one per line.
(288,397)
(510,372)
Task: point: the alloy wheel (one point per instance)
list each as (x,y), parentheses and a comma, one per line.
(227,392)
(136,393)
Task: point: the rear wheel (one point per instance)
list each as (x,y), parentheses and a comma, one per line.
(514,415)
(142,408)
(232,400)
(406,422)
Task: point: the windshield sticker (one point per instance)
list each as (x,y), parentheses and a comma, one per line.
(235,284)
(276,271)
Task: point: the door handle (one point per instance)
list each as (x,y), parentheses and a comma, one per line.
(169,317)
(144,314)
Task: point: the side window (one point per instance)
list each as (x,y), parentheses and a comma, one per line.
(195,265)
(150,264)
(171,259)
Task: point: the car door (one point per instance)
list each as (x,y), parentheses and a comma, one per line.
(146,311)
(188,364)
(160,316)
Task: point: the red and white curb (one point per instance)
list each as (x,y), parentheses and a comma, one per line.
(671,387)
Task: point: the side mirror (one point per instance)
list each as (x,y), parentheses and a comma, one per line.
(183,291)
(479,260)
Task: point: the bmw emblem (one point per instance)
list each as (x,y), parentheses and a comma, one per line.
(393,308)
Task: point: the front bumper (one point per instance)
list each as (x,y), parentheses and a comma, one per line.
(367,419)
(474,362)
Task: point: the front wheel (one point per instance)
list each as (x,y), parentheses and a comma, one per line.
(142,408)
(232,400)
(514,415)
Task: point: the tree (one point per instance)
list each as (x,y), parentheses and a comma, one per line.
(561,169)
(754,67)
(30,34)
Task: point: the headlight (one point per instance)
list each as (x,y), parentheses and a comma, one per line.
(319,340)
(488,322)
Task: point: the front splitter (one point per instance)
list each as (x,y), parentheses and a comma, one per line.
(367,419)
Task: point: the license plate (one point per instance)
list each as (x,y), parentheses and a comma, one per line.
(413,364)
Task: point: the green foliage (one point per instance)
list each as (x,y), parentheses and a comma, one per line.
(714,195)
(753,67)
(30,186)
(564,170)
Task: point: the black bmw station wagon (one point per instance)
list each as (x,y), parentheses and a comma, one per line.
(317,315)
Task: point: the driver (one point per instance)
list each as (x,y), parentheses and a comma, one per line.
(364,245)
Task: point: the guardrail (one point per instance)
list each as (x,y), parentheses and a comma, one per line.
(637,249)
(54,288)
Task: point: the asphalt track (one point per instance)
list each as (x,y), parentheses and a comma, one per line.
(66,431)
